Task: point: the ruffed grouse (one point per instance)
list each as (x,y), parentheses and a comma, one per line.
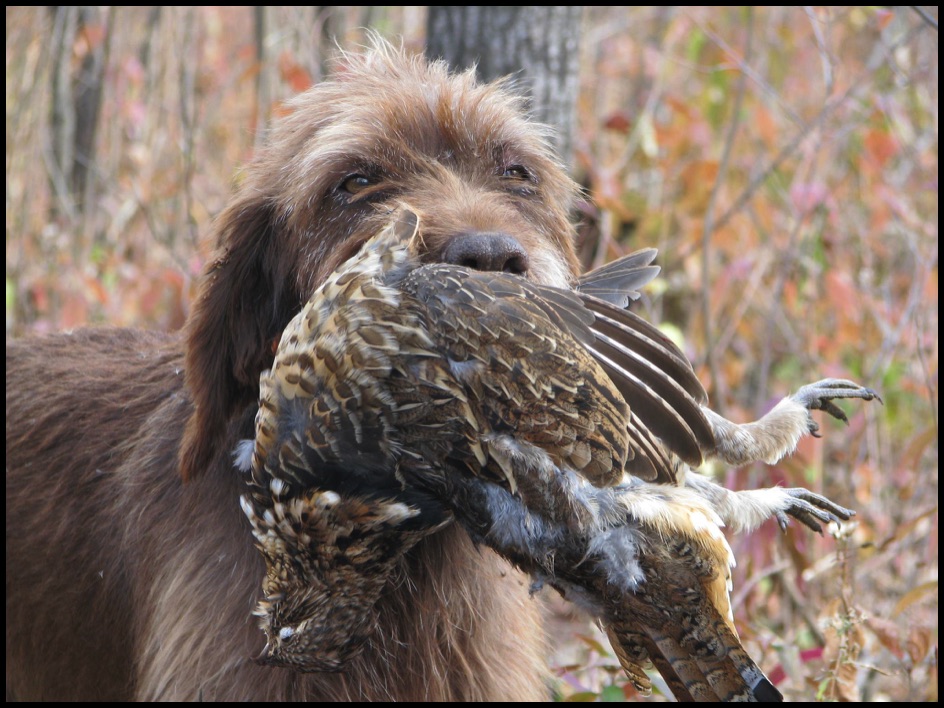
(555,426)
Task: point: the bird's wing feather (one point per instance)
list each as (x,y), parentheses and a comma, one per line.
(618,281)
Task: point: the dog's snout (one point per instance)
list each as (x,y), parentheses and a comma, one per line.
(487,251)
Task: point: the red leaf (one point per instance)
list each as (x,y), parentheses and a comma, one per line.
(618,122)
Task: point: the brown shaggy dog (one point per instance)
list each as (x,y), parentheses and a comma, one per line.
(131,571)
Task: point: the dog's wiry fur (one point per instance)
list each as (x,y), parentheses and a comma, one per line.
(131,572)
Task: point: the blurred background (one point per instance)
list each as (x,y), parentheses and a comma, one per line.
(783,160)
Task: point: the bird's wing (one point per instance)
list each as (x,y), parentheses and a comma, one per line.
(512,326)
(648,369)
(654,377)
(527,380)
(618,281)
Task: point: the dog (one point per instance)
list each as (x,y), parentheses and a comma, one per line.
(131,571)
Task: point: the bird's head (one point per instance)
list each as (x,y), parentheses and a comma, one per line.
(328,558)
(309,630)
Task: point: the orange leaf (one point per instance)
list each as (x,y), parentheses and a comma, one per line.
(294,74)
(919,643)
(887,633)
(880,146)
(883,17)
(766,126)
(97,289)
(915,595)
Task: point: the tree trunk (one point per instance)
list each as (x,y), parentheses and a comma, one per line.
(538,45)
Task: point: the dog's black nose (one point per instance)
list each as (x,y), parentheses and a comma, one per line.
(487,251)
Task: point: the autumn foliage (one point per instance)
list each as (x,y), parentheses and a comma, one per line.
(783,160)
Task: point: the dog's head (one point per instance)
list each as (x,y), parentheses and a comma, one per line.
(388,129)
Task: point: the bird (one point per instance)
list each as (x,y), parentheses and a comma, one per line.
(554,425)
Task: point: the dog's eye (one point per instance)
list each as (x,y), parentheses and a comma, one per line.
(518,172)
(354,184)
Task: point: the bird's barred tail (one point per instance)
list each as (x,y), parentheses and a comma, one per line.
(704,662)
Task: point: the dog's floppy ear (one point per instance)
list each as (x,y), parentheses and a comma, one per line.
(243,304)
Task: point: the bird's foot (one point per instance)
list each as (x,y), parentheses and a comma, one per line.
(820,396)
(810,509)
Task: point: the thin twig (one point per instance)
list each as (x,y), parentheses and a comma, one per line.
(925,16)
(824,57)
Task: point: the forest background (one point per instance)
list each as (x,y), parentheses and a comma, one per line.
(783,160)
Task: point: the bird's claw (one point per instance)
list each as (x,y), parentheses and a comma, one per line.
(810,509)
(820,396)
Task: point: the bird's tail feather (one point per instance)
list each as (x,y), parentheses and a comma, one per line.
(700,661)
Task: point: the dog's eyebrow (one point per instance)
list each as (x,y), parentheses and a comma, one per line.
(508,152)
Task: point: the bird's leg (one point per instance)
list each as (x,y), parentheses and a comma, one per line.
(777,433)
(770,439)
(746,510)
